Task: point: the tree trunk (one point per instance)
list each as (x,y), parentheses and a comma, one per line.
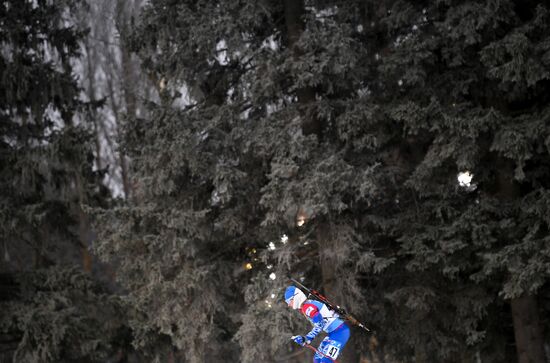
(84,234)
(527,330)
(294,10)
(420,355)
(333,290)
(84,227)
(129,80)
(91,61)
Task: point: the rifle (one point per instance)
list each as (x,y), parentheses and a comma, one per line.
(341,311)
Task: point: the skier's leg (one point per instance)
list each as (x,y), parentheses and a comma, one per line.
(333,344)
(320,358)
(317,358)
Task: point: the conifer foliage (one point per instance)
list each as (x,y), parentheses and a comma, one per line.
(393,152)
(51,311)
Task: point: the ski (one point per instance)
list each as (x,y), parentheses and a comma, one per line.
(341,311)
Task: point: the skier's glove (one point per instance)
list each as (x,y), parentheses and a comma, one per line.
(298,339)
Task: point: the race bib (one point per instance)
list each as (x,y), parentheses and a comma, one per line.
(331,351)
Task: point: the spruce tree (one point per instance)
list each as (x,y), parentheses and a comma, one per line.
(322,140)
(51,310)
(470,94)
(464,86)
(231,172)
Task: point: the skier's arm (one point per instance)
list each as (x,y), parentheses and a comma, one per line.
(317,327)
(316,318)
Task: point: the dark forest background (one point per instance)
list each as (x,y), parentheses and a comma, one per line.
(167,165)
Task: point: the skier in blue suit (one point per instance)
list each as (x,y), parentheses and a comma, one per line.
(322,318)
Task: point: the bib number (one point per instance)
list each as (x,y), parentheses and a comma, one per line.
(332,351)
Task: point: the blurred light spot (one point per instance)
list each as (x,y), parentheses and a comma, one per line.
(272,276)
(465,178)
(302,216)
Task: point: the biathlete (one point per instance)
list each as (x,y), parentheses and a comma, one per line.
(322,318)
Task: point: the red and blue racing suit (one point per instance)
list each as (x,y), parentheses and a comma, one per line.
(323,318)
